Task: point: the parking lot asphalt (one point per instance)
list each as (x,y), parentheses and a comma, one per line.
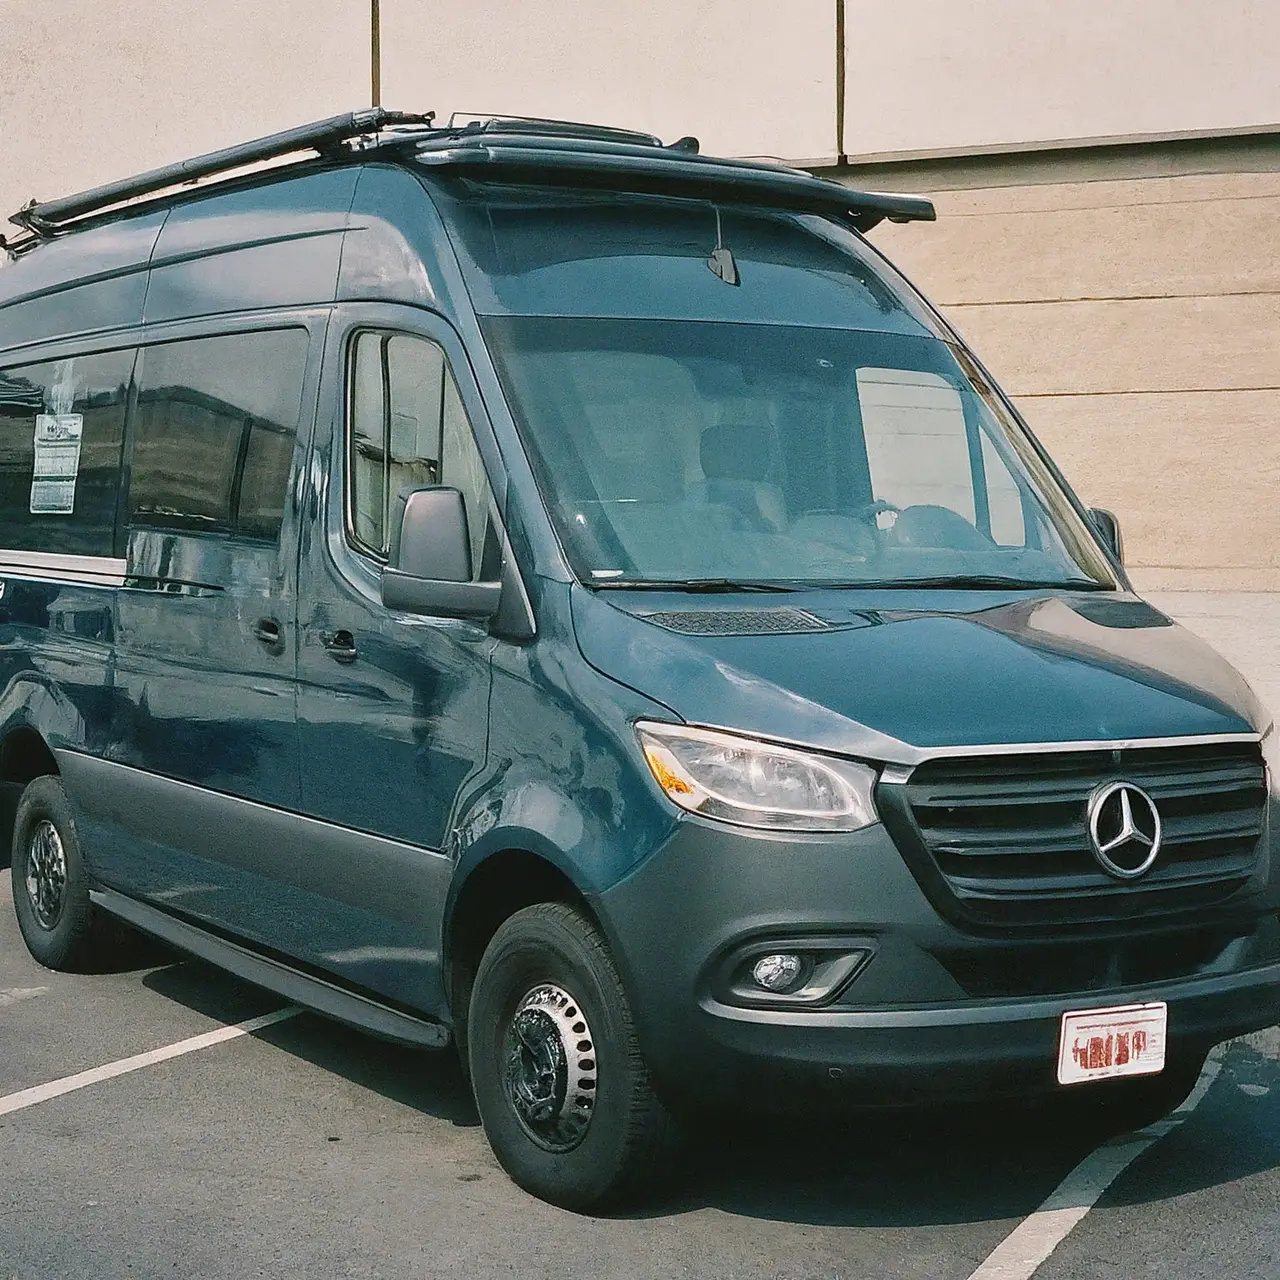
(310,1150)
(306,1149)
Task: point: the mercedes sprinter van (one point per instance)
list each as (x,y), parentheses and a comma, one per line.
(523,586)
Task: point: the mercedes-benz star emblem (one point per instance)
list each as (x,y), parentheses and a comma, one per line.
(1124,830)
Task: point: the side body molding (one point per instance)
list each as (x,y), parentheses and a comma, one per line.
(207,857)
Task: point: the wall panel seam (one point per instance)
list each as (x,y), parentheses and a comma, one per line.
(1115,297)
(1157,391)
(1089,208)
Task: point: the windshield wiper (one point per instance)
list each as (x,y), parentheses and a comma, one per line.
(698,586)
(982,582)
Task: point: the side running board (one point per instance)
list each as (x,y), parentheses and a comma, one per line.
(313,993)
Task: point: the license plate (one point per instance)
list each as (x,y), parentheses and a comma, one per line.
(1099,1044)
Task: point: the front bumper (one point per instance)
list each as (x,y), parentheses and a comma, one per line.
(935,1054)
(937,1014)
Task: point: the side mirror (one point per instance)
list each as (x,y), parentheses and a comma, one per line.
(1109,528)
(430,566)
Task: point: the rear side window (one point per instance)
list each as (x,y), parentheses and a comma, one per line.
(61,431)
(216,423)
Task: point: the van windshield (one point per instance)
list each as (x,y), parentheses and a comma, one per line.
(702,454)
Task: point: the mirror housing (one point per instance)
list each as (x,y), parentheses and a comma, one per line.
(429,570)
(1108,528)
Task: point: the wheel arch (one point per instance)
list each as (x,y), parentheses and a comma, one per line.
(493,890)
(24,756)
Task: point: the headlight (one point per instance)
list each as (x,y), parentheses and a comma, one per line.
(754,784)
(1271,754)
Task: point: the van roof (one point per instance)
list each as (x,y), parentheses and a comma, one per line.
(501,148)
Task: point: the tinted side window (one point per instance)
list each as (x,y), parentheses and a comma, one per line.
(216,423)
(408,428)
(61,428)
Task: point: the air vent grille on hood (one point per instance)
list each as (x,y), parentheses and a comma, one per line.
(739,622)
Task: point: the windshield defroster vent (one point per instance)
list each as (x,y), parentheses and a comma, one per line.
(739,622)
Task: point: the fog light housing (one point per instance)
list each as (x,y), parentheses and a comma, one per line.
(792,972)
(779,971)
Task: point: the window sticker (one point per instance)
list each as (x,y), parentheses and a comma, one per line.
(57,463)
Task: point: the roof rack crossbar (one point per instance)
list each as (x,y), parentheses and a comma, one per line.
(44,219)
(542,126)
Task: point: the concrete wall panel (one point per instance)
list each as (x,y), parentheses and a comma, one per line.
(93,90)
(1126,248)
(1145,344)
(934,75)
(1052,192)
(1193,478)
(748,77)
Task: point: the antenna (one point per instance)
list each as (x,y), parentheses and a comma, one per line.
(722,261)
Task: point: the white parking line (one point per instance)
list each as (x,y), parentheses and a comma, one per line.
(69,1084)
(1036,1237)
(11,995)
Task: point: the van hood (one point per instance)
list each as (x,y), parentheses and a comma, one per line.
(892,679)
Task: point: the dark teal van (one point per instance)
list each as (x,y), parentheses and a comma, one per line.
(523,586)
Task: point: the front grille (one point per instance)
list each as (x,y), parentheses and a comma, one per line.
(1006,837)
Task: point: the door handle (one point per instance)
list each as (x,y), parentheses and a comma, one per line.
(340,645)
(267,631)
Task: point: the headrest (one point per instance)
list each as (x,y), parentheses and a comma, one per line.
(640,466)
(736,451)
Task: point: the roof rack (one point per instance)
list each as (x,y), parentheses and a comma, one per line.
(663,171)
(467,123)
(43,220)
(514,146)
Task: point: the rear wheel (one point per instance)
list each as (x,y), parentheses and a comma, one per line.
(559,1080)
(50,884)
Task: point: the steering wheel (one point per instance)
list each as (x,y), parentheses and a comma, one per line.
(934,527)
(870,510)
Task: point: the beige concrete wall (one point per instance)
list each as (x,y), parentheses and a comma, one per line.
(747,77)
(1137,324)
(92,90)
(1131,304)
(938,75)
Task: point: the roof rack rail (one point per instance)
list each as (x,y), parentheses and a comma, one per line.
(467,122)
(43,220)
(665,171)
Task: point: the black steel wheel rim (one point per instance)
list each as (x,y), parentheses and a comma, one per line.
(46,877)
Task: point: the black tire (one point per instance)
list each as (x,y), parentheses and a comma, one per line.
(599,1134)
(62,929)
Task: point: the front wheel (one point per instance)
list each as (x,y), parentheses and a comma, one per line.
(559,1080)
